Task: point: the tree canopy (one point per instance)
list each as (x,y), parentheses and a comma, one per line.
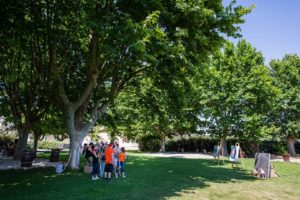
(237,92)
(286,113)
(89,51)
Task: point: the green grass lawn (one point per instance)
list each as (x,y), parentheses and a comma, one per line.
(155,178)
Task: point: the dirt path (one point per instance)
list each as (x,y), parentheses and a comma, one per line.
(7,163)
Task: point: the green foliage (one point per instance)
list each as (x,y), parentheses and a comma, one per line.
(149,144)
(94,134)
(7,138)
(281,149)
(24,71)
(82,54)
(198,144)
(52,124)
(154,109)
(50,145)
(144,30)
(286,113)
(237,92)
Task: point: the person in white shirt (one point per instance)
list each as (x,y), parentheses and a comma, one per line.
(116,159)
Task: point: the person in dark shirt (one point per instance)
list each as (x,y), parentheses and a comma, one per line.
(88,153)
(95,156)
(84,149)
(102,159)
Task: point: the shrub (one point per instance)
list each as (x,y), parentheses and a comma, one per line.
(50,145)
(149,144)
(191,145)
(273,147)
(7,138)
(250,148)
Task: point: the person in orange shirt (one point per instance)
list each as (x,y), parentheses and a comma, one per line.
(108,161)
(122,158)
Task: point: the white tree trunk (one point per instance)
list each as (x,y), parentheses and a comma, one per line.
(76,139)
(75,151)
(76,136)
(290,144)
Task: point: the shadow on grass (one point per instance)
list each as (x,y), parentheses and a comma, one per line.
(168,176)
(147,178)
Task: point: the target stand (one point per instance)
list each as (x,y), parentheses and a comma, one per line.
(235,153)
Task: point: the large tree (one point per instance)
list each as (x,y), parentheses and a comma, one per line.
(286,73)
(24,78)
(237,93)
(95,49)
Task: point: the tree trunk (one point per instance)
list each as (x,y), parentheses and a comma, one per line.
(35,143)
(75,150)
(257,147)
(77,133)
(76,139)
(291,146)
(224,146)
(163,144)
(21,145)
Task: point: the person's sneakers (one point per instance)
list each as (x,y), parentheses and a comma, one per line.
(123,176)
(95,178)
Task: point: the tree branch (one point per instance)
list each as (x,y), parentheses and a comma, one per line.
(132,75)
(93,73)
(56,74)
(94,117)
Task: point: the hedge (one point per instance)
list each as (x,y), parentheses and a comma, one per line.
(152,144)
(50,145)
(4,139)
(149,144)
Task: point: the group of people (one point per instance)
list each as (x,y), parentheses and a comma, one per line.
(105,159)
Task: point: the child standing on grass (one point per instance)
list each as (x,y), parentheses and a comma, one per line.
(108,161)
(122,158)
(116,162)
(102,160)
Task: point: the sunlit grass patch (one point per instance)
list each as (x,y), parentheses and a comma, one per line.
(155,178)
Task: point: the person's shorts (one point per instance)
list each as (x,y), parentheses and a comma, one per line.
(115,162)
(108,168)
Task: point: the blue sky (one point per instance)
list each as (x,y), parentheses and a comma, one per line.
(273,27)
